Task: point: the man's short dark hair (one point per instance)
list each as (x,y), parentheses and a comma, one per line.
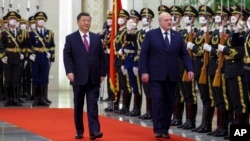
(83,14)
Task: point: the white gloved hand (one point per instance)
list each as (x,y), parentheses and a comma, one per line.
(189,28)
(120,52)
(130,25)
(190,45)
(207,47)
(5,60)
(21,56)
(124,71)
(221,29)
(32,57)
(48,55)
(135,70)
(204,28)
(174,28)
(147,28)
(221,47)
(126,50)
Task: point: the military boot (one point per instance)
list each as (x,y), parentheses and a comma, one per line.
(207,123)
(191,112)
(148,114)
(177,114)
(125,104)
(137,106)
(223,118)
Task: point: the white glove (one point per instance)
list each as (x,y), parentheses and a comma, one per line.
(5,60)
(221,47)
(25,64)
(190,45)
(32,57)
(204,28)
(120,51)
(130,25)
(126,50)
(221,28)
(147,28)
(124,71)
(48,55)
(135,70)
(174,28)
(239,27)
(21,56)
(207,47)
(189,28)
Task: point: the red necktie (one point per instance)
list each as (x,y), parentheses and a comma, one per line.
(85,42)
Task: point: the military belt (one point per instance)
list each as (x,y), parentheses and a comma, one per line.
(15,49)
(107,51)
(40,49)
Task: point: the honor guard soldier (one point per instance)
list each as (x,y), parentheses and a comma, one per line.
(26,68)
(233,50)
(105,35)
(41,41)
(247,57)
(130,51)
(215,66)
(177,13)
(31,23)
(190,96)
(147,16)
(122,77)
(13,40)
(200,63)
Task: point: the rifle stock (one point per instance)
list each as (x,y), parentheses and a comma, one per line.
(190,39)
(203,75)
(217,77)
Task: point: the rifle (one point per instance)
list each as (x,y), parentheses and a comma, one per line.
(203,75)
(217,77)
(190,39)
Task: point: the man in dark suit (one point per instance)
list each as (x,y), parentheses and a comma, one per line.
(159,66)
(83,57)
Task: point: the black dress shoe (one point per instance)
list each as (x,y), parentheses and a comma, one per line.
(165,135)
(158,135)
(79,136)
(146,116)
(96,135)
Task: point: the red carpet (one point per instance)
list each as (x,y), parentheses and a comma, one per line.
(58,125)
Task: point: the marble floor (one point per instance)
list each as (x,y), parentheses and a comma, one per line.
(63,99)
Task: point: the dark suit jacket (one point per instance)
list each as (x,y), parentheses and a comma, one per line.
(159,61)
(85,65)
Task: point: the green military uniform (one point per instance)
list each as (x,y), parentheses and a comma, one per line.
(205,14)
(13,40)
(147,16)
(177,13)
(190,96)
(122,80)
(220,94)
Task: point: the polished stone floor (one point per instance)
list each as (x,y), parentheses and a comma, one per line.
(63,99)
